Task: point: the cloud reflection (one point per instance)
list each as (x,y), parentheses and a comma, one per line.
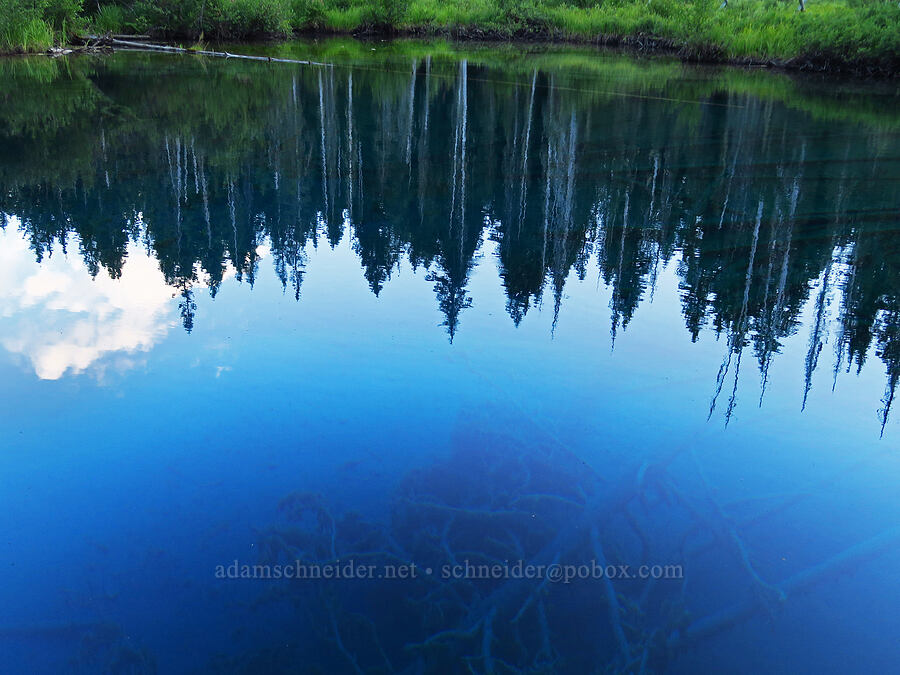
(62,321)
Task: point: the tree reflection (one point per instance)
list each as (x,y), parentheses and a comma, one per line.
(762,210)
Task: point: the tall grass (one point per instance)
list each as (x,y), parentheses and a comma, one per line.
(29,35)
(35,25)
(110,19)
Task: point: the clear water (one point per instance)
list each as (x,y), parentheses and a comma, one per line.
(434,306)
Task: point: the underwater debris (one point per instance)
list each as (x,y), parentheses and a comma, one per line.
(492,502)
(498,503)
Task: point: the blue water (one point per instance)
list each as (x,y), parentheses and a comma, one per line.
(505,305)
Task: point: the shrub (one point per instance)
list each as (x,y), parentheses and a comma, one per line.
(222,19)
(518,14)
(169,17)
(62,15)
(307,14)
(385,13)
(244,18)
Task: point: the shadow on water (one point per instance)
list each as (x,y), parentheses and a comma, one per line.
(767,197)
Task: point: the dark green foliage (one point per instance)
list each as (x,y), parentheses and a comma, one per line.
(170,16)
(247,18)
(387,14)
(219,19)
(522,15)
(61,14)
(308,14)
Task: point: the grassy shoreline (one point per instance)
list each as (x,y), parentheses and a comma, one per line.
(823,60)
(858,36)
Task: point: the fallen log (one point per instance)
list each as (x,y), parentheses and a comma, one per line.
(149,46)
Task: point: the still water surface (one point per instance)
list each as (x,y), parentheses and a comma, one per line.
(431,309)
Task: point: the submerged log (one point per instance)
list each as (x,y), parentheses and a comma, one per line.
(791,587)
(601,507)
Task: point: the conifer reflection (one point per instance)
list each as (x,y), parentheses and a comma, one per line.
(441,162)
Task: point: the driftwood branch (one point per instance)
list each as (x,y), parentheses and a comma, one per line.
(148,46)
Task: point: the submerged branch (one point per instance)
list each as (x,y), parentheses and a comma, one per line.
(798,583)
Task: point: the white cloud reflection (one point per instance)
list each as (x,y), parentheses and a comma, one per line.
(64,322)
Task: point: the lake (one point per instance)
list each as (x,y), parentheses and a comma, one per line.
(446,359)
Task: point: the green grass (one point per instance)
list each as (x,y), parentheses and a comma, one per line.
(829,31)
(756,30)
(29,35)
